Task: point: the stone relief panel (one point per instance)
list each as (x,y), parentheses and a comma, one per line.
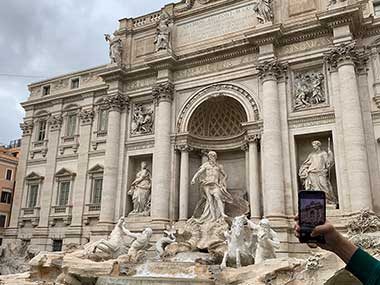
(142,119)
(140,83)
(309,90)
(297,7)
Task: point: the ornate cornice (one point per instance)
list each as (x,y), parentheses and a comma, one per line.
(272,69)
(116,102)
(86,116)
(55,122)
(27,128)
(163,92)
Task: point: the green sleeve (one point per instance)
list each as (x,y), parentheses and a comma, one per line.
(365,267)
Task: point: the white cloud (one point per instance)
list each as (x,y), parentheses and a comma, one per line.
(49,38)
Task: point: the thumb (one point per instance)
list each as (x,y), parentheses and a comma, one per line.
(321,230)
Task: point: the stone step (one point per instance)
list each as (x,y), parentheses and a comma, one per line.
(152,281)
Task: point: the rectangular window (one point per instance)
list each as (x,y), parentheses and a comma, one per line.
(46,90)
(6,197)
(71,125)
(41,130)
(2,221)
(64,191)
(32,195)
(8,175)
(57,245)
(103,114)
(97,190)
(1,241)
(75,83)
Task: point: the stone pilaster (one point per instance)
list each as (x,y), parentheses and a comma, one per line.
(273,174)
(344,58)
(47,189)
(86,117)
(184,182)
(163,95)
(254,176)
(116,102)
(27,130)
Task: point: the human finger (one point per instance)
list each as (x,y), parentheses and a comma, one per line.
(321,230)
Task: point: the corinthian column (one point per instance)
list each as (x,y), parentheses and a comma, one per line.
(273,174)
(27,129)
(344,58)
(163,95)
(184,183)
(254,176)
(116,102)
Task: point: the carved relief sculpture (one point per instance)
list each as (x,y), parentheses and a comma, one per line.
(315,171)
(140,192)
(162,40)
(309,90)
(142,121)
(213,186)
(115,49)
(264,11)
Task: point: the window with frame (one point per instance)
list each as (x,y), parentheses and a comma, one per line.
(103,120)
(71,124)
(376,7)
(3,218)
(97,187)
(32,195)
(63,193)
(41,132)
(46,90)
(75,83)
(6,197)
(8,175)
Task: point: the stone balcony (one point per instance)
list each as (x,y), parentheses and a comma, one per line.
(92,212)
(31,215)
(60,213)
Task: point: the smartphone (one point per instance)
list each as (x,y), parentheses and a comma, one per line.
(311,213)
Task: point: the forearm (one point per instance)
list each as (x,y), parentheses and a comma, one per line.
(345,249)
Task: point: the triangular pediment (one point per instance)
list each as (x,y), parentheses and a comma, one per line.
(96,169)
(34,176)
(63,172)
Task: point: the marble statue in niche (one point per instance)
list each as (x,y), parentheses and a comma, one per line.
(213,186)
(115,49)
(142,120)
(140,192)
(162,39)
(315,171)
(264,11)
(309,90)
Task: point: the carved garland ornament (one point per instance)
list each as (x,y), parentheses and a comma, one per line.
(55,122)
(86,116)
(216,87)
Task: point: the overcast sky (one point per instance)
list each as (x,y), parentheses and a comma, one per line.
(44,38)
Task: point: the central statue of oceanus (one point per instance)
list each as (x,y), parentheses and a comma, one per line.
(213,186)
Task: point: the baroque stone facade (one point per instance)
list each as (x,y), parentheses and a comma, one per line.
(255,81)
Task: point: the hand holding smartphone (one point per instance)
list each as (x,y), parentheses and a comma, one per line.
(312,213)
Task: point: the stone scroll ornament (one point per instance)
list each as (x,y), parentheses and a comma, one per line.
(115,49)
(142,120)
(309,90)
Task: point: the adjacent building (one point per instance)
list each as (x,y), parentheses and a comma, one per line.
(287,92)
(8,166)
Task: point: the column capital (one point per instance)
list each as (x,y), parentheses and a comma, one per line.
(252,138)
(183,148)
(86,116)
(272,69)
(244,147)
(346,53)
(116,102)
(55,122)
(163,92)
(27,128)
